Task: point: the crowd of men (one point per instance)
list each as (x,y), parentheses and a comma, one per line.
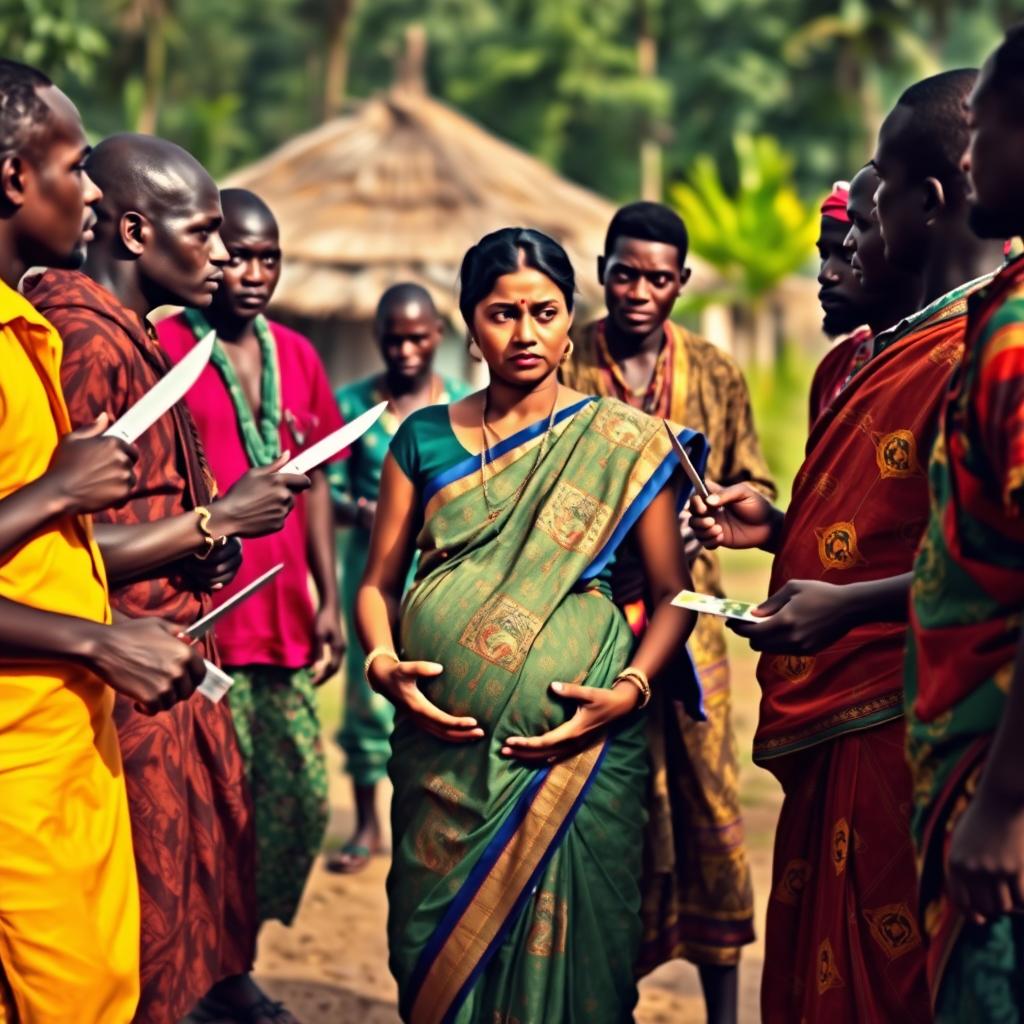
(146,832)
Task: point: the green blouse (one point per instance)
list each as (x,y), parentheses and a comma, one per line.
(425,445)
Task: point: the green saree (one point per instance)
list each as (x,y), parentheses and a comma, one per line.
(514,890)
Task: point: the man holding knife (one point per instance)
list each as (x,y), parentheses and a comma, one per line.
(265,391)
(69,909)
(165,550)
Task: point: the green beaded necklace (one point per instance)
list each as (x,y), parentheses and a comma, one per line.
(262,440)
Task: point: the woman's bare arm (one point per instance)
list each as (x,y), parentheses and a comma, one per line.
(666,570)
(392,542)
(378,601)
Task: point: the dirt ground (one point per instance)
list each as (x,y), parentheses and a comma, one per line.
(331,965)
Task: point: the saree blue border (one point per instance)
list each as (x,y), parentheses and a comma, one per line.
(647,494)
(472,462)
(475,879)
(471,886)
(528,890)
(696,444)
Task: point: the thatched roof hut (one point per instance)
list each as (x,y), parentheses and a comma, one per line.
(398,190)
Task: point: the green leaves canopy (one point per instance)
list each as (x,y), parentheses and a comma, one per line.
(757,233)
(562,79)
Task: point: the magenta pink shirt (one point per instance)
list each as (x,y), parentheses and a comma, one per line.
(275,625)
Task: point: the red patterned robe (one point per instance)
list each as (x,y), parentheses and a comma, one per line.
(844,358)
(191,817)
(842,940)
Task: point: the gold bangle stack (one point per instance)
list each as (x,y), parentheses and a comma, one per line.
(373,655)
(638,677)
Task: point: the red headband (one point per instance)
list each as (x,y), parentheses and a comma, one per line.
(834,205)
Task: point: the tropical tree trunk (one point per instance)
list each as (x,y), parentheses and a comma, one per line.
(339,23)
(651,174)
(716,324)
(155,68)
(765,336)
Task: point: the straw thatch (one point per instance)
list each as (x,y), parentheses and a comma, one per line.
(398,190)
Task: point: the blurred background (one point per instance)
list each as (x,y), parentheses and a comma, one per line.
(389,135)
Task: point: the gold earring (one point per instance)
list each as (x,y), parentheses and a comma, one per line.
(568,351)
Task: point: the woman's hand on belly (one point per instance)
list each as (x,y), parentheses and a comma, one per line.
(598,709)
(399,682)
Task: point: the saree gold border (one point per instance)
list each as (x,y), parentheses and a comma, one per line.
(471,481)
(656,450)
(484,917)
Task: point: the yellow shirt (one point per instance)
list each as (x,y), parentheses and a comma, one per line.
(60,569)
(69,901)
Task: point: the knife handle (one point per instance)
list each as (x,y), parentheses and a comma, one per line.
(215,683)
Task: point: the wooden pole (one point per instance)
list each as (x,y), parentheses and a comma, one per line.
(339,23)
(650,148)
(412,65)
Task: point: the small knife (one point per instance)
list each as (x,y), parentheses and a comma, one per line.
(336,441)
(698,484)
(171,388)
(203,626)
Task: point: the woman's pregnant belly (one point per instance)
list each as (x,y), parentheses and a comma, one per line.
(499,665)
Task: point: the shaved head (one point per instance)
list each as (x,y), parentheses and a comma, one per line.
(246,214)
(400,296)
(253,266)
(148,174)
(45,195)
(157,232)
(408,330)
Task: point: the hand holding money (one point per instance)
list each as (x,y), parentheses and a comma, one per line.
(802,617)
(723,607)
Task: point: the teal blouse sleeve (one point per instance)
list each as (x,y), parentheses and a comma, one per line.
(404,447)
(424,445)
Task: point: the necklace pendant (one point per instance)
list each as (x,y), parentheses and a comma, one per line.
(493,514)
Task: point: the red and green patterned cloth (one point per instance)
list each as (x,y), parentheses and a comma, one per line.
(192,820)
(966,603)
(858,511)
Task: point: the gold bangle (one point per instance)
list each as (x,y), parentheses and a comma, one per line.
(209,539)
(373,655)
(638,677)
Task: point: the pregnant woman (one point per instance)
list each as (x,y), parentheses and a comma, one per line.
(518,758)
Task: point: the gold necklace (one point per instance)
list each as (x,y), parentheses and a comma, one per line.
(493,511)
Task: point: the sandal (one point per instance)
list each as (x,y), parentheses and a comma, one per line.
(358,858)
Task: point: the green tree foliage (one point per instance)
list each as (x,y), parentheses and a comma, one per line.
(754,234)
(55,35)
(562,79)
